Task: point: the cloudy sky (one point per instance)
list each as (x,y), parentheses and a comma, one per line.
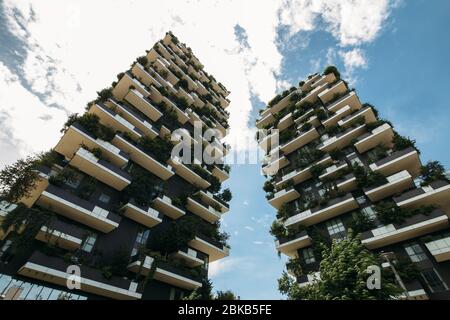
(55,55)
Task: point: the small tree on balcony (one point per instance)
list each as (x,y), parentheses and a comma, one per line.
(433,171)
(332,69)
(343,276)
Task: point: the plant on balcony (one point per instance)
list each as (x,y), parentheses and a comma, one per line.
(226,195)
(160,148)
(401,142)
(27,222)
(317,170)
(269,188)
(336,154)
(287,135)
(360,222)
(285,211)
(91,123)
(368,105)
(278,230)
(373,125)
(142,189)
(104,95)
(343,276)
(433,171)
(368,178)
(87,188)
(321,114)
(295,267)
(142,60)
(332,69)
(306,127)
(225,295)
(377,153)
(305,156)
(333,130)
(388,212)
(301,83)
(182,84)
(65,176)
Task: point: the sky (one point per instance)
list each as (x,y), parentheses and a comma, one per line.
(394,52)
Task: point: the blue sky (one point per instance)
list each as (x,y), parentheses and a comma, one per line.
(394,52)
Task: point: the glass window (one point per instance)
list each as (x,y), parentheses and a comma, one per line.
(5,247)
(141,240)
(433,280)
(104,198)
(415,252)
(336,229)
(356,161)
(89,242)
(361,200)
(75,182)
(369,212)
(308,255)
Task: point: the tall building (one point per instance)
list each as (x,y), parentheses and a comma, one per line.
(339,166)
(111,205)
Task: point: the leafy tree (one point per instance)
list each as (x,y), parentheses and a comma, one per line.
(226,195)
(343,276)
(433,171)
(401,142)
(332,69)
(278,230)
(225,295)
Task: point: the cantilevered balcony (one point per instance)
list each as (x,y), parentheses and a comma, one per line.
(162,66)
(309,81)
(41,183)
(333,170)
(146,216)
(198,102)
(381,135)
(350,99)
(77,209)
(187,174)
(411,228)
(346,183)
(407,159)
(283,103)
(333,208)
(183,94)
(201,89)
(189,257)
(143,158)
(183,117)
(143,104)
(5,209)
(285,122)
(165,205)
(206,212)
(341,140)
(284,196)
(439,248)
(165,53)
(313,95)
(110,118)
(299,175)
(335,118)
(332,91)
(264,121)
(123,86)
(144,76)
(395,184)
(366,113)
(435,194)
(100,169)
(220,174)
(134,118)
(299,141)
(321,80)
(54,270)
(290,246)
(76,135)
(61,234)
(212,200)
(212,248)
(274,163)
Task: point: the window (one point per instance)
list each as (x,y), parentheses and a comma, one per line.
(336,229)
(75,182)
(4,251)
(356,161)
(308,255)
(89,242)
(433,280)
(369,212)
(176,294)
(415,252)
(361,200)
(141,240)
(104,198)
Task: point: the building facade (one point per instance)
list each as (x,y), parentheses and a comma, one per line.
(112,213)
(338,166)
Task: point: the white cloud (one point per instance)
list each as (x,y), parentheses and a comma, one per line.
(245,203)
(351,22)
(219,267)
(249,228)
(258,243)
(353,59)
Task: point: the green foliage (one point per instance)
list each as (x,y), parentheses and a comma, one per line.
(332,69)
(368,178)
(160,148)
(388,212)
(321,114)
(316,170)
(306,156)
(278,230)
(226,195)
(361,222)
(225,295)
(142,60)
(87,188)
(66,175)
(343,276)
(377,153)
(27,222)
(104,95)
(401,142)
(336,154)
(216,185)
(432,171)
(17,180)
(91,123)
(142,188)
(306,127)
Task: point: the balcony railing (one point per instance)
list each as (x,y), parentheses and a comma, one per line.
(381,135)
(206,212)
(165,205)
(144,76)
(318,214)
(189,257)
(346,183)
(395,184)
(284,196)
(341,140)
(144,158)
(325,79)
(351,100)
(290,246)
(212,248)
(144,215)
(407,159)
(187,174)
(435,194)
(264,121)
(100,169)
(61,234)
(366,113)
(333,170)
(54,270)
(134,118)
(336,117)
(212,200)
(299,141)
(220,174)
(336,89)
(77,209)
(411,228)
(440,249)
(76,135)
